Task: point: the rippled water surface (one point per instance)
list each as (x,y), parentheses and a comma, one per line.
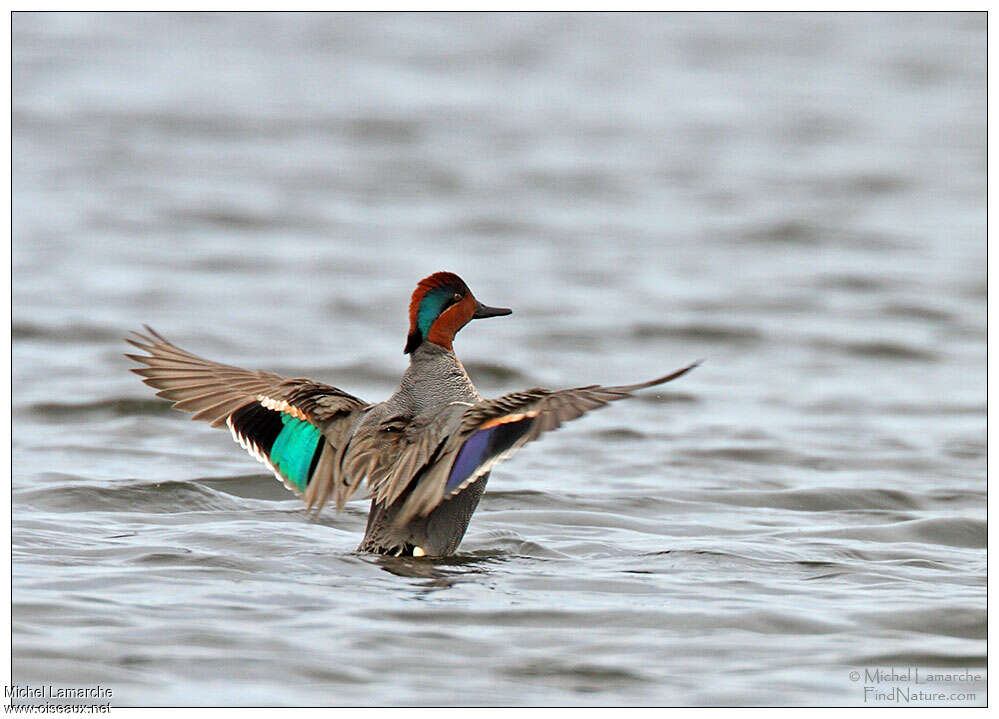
(799,200)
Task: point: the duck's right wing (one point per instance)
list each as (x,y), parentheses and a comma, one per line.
(491,430)
(293,426)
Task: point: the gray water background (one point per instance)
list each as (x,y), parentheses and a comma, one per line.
(797,199)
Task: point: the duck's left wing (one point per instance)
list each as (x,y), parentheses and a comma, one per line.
(491,430)
(295,426)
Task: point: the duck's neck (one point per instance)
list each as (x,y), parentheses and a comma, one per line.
(435,378)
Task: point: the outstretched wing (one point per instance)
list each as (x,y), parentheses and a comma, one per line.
(294,426)
(491,430)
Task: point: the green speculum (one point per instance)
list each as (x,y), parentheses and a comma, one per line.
(294,449)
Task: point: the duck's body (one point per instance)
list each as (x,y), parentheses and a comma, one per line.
(434,387)
(425,452)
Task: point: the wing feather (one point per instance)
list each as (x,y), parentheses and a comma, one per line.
(492,430)
(217,393)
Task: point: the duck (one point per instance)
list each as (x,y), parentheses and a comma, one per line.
(425,453)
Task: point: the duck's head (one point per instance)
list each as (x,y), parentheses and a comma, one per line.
(442,304)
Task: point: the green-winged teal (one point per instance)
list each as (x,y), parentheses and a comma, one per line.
(426,451)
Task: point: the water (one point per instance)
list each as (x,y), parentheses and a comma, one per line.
(799,200)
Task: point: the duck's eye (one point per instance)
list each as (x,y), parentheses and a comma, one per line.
(456,297)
